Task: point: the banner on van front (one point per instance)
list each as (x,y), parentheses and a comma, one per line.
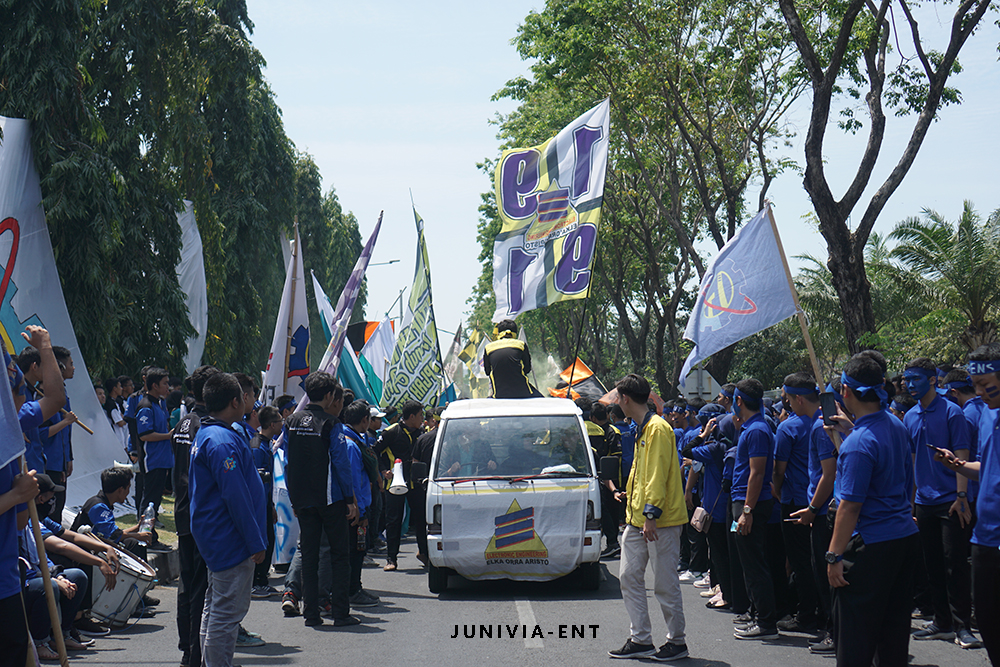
(532,534)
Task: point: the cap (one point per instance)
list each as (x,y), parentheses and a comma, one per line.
(375,412)
(45,484)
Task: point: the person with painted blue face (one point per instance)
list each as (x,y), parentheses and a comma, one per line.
(984,369)
(943,512)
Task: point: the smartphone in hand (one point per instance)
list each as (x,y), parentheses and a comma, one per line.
(828,404)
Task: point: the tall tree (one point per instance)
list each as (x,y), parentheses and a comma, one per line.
(844,50)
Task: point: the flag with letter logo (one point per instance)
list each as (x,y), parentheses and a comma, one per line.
(744,290)
(288,361)
(549,201)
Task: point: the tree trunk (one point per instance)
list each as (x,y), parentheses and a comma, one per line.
(718,364)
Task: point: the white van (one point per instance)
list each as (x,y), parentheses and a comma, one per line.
(512,493)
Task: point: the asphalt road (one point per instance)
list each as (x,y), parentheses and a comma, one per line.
(413,627)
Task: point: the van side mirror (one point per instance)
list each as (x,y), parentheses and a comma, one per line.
(418,471)
(609,468)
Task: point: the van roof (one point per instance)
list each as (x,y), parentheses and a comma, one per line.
(510,407)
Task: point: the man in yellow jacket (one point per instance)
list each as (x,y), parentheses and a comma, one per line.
(654,515)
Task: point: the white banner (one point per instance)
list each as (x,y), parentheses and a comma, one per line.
(529,534)
(288,362)
(286,530)
(191,277)
(30,293)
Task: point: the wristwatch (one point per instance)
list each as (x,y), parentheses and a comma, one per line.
(747,509)
(814,510)
(963,494)
(833,558)
(649,515)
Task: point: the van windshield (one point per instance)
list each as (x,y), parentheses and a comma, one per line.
(511,446)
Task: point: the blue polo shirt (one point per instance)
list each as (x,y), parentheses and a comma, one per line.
(791,444)
(942,424)
(154,419)
(102,519)
(227,497)
(987,530)
(973,411)
(30,418)
(362,485)
(712,454)
(756,441)
(58,448)
(874,468)
(820,449)
(10,578)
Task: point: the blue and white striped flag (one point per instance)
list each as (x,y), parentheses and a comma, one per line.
(744,290)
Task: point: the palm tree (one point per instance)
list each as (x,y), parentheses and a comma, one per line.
(960,263)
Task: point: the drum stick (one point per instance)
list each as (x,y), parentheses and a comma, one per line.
(64,412)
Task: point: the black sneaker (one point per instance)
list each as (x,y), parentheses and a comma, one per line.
(669,652)
(818,639)
(150,601)
(611,551)
(313,622)
(966,639)
(290,604)
(824,647)
(932,631)
(344,621)
(633,650)
(754,631)
(793,625)
(359,600)
(91,628)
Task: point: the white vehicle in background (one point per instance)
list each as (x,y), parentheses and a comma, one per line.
(512,493)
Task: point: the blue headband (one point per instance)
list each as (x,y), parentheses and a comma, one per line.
(289,404)
(920,371)
(984,367)
(879,389)
(959,384)
(799,391)
(898,407)
(726,394)
(738,394)
(679,408)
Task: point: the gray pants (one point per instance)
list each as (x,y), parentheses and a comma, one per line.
(227,601)
(666,551)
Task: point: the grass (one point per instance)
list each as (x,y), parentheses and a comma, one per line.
(167,534)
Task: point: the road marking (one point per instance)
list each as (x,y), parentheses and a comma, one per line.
(527,618)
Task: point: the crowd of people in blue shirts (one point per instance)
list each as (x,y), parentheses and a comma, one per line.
(846,512)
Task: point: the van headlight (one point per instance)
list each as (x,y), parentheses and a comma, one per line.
(437,514)
(590,510)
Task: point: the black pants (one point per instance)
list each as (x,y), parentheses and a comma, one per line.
(394,507)
(986,589)
(784,596)
(872,615)
(262,569)
(799,554)
(190,598)
(822,531)
(134,547)
(698,543)
(14,638)
(418,516)
(945,544)
(609,516)
(718,552)
(314,523)
(756,570)
(59,477)
(156,480)
(737,586)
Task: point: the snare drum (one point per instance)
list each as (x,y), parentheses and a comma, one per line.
(135,577)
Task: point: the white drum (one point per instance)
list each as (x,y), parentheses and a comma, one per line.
(114,607)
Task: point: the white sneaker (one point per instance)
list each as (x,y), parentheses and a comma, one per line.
(689,576)
(717,598)
(704,582)
(711,592)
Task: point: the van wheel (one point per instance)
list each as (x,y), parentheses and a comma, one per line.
(437,579)
(590,576)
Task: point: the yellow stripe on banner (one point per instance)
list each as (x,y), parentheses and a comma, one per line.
(464,492)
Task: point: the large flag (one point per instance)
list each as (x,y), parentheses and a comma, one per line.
(352,376)
(744,290)
(30,293)
(415,370)
(288,362)
(345,305)
(325,306)
(191,277)
(376,355)
(452,362)
(549,200)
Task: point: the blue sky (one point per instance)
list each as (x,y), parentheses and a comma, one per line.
(393,96)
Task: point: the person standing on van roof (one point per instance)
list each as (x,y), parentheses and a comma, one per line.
(507,362)
(654,514)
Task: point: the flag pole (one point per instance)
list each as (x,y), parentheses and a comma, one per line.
(291,307)
(795,298)
(43,566)
(583,318)
(820,380)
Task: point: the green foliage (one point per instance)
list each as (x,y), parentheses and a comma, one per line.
(772,354)
(134,107)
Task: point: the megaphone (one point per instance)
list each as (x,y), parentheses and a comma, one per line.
(398,486)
